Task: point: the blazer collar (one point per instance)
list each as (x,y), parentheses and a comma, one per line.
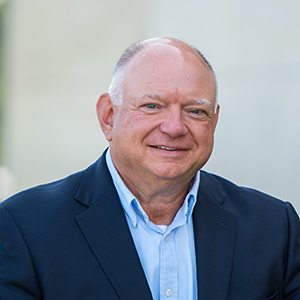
(214,231)
(106,231)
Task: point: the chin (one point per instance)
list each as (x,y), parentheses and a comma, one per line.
(169,173)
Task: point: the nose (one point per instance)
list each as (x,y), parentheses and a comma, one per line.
(173,124)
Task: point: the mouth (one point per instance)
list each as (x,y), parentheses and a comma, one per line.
(165,148)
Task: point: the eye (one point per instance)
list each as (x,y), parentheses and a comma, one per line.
(196,111)
(151,106)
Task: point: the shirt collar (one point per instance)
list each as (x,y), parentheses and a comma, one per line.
(126,197)
(130,204)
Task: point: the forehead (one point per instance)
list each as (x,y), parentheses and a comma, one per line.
(165,67)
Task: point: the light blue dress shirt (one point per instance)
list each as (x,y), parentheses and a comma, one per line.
(167,253)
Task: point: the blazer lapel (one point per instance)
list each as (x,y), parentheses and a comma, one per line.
(214,231)
(105,229)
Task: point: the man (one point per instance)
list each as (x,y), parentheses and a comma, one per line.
(143,222)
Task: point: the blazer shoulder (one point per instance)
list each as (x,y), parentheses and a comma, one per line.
(41,194)
(253,210)
(239,195)
(60,195)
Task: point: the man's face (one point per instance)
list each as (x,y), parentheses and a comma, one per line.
(164,127)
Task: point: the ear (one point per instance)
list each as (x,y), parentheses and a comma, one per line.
(105,114)
(216,117)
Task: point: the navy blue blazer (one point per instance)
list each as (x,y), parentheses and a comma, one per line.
(70,240)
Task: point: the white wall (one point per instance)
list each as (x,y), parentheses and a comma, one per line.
(61,54)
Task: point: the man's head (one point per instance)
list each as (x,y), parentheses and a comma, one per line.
(160,115)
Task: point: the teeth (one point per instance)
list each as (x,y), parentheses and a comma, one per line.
(166,148)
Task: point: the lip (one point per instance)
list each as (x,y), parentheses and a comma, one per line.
(168,148)
(167,151)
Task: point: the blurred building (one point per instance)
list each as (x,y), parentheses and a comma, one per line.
(60,55)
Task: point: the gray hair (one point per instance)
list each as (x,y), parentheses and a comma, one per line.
(116,87)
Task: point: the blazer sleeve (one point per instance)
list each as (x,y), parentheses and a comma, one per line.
(292,275)
(18,280)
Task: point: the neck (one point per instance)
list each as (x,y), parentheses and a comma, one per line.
(160,200)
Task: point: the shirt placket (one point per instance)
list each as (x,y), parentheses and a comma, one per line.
(168,268)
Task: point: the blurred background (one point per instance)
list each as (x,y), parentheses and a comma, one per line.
(58,56)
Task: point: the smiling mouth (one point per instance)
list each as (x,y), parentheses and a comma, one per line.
(165,148)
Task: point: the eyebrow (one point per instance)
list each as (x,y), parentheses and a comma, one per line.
(193,101)
(201,101)
(152,96)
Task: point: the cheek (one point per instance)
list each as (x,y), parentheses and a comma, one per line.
(121,123)
(203,135)
(127,130)
(136,125)
(142,126)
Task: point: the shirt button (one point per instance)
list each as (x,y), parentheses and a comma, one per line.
(168,292)
(166,238)
(133,220)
